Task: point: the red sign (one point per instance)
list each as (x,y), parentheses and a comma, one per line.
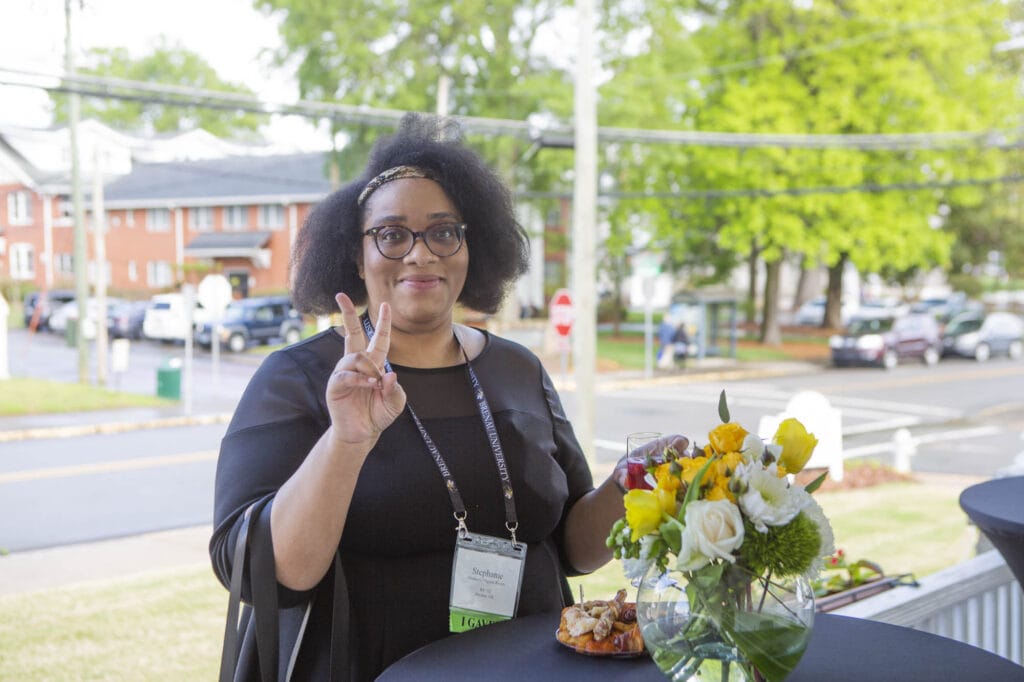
(562,312)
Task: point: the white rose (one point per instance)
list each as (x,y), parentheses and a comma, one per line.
(714,529)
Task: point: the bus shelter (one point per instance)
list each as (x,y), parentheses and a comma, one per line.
(711,320)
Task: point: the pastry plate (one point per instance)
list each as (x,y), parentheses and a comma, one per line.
(598,654)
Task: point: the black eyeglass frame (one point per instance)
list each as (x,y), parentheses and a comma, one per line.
(460,229)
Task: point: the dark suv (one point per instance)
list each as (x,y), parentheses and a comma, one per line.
(253,320)
(886,341)
(53,299)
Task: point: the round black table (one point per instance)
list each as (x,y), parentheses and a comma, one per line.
(840,649)
(997,508)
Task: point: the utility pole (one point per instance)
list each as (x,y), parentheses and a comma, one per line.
(584,211)
(99,226)
(78,209)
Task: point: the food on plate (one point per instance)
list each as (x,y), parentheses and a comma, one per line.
(601,627)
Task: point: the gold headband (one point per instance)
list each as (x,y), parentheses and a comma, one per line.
(396,173)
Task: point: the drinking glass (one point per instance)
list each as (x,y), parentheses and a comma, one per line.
(638,446)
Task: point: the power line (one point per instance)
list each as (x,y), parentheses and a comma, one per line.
(554,135)
(754,192)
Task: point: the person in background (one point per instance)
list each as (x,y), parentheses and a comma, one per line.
(666,337)
(397,438)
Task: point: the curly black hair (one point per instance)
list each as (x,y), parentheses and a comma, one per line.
(330,242)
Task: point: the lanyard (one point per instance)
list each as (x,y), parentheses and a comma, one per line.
(511,523)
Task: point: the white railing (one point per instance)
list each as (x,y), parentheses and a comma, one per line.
(978,602)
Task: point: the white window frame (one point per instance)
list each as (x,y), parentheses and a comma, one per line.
(200,218)
(19,208)
(159,274)
(158,220)
(22,260)
(271,216)
(133,271)
(236,218)
(64,265)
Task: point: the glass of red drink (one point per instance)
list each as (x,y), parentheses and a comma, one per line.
(638,448)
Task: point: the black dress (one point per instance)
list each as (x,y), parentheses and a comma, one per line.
(398,542)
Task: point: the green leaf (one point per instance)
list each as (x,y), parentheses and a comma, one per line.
(672,532)
(723,408)
(816,483)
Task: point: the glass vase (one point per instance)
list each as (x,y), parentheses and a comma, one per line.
(739,628)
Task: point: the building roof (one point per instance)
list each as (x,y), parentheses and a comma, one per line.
(227,244)
(230,180)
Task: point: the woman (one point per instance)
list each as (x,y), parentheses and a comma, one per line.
(362,433)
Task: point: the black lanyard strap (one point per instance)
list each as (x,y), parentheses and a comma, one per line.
(511,522)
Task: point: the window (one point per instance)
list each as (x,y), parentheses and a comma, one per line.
(236,217)
(19,208)
(64,212)
(23,261)
(272,216)
(201,218)
(129,218)
(133,271)
(158,220)
(159,273)
(64,264)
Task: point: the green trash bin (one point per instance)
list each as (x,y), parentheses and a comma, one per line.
(168,379)
(71,332)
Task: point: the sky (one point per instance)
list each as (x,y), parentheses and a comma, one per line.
(229,34)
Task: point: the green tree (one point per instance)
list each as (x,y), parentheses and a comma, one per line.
(168,65)
(775,66)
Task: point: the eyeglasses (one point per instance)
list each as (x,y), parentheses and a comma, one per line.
(396,242)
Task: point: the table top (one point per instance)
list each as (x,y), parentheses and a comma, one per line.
(841,648)
(996,505)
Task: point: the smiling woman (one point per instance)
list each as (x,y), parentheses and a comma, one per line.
(401,443)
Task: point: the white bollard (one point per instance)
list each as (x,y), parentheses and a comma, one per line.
(903,448)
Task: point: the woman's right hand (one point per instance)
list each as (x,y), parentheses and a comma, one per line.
(361,398)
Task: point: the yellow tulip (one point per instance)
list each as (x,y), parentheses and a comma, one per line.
(727,437)
(797,445)
(645,510)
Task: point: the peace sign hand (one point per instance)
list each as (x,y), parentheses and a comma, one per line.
(361,398)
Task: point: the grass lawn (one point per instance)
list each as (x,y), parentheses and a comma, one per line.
(19,396)
(626,350)
(168,625)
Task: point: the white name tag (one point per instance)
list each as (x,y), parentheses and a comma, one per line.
(487,574)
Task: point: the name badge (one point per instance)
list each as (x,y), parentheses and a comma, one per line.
(487,574)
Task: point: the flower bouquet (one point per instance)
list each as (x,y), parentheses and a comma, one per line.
(722,550)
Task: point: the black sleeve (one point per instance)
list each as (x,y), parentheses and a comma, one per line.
(277,422)
(571,459)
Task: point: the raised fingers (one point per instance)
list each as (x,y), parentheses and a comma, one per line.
(355,339)
(381,341)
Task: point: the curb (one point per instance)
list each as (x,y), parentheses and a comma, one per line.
(110,427)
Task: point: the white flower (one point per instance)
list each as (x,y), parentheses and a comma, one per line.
(752,448)
(636,568)
(768,499)
(713,530)
(812,510)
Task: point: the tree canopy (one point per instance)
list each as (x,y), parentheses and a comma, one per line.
(166,64)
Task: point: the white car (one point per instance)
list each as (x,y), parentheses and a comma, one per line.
(60,317)
(166,319)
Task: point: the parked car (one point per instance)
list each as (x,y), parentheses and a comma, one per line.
(53,299)
(253,320)
(886,341)
(124,321)
(981,336)
(166,319)
(812,313)
(68,313)
(944,309)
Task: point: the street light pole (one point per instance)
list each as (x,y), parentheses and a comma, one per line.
(583,228)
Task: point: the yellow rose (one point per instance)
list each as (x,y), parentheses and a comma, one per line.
(727,437)
(666,480)
(690,466)
(646,508)
(720,491)
(797,445)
